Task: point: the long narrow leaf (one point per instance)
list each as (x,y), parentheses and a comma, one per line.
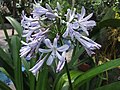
(95,71)
(15,45)
(6,62)
(32,77)
(5,31)
(42,79)
(63,83)
(112,86)
(15,24)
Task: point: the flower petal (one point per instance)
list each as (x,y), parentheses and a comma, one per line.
(89,52)
(63,48)
(50,15)
(88,44)
(58,6)
(24,51)
(48,43)
(84,29)
(88,17)
(61,58)
(65,33)
(38,10)
(50,60)
(75,25)
(60,66)
(55,43)
(83,11)
(48,7)
(44,50)
(35,69)
(89,23)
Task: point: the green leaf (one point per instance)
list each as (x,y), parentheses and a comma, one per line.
(106,23)
(32,77)
(15,24)
(6,62)
(63,83)
(15,46)
(110,14)
(42,79)
(5,31)
(112,86)
(95,71)
(26,65)
(109,23)
(3,86)
(76,53)
(4,71)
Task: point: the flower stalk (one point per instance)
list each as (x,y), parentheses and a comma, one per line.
(68,75)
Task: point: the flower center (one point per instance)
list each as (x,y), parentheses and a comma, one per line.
(54,49)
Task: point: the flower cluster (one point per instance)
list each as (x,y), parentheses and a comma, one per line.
(36,32)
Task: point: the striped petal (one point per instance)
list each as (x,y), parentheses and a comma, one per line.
(63,48)
(48,43)
(55,43)
(44,50)
(50,60)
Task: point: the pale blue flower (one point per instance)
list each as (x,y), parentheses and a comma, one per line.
(39,11)
(69,31)
(38,65)
(69,17)
(30,25)
(54,49)
(87,43)
(61,64)
(30,48)
(83,22)
(29,22)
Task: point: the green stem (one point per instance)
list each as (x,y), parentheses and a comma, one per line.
(68,74)
(73,3)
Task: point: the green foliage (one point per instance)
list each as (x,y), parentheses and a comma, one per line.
(15,47)
(15,24)
(63,83)
(42,81)
(112,86)
(12,62)
(95,71)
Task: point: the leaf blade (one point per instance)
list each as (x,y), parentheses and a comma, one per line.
(95,71)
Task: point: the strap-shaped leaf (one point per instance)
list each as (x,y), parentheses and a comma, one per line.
(43,79)
(15,47)
(15,24)
(112,86)
(63,83)
(6,62)
(95,71)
